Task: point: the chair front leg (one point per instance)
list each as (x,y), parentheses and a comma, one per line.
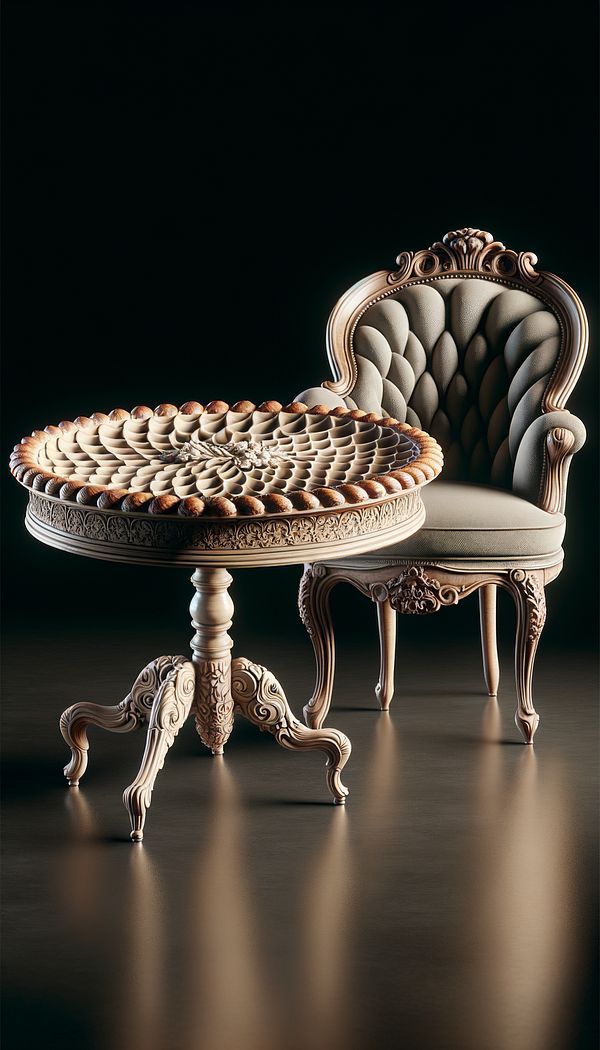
(489,648)
(386,621)
(528,592)
(313,605)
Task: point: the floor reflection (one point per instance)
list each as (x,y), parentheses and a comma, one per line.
(520,929)
(81,868)
(230,1004)
(326,950)
(383,769)
(140,1022)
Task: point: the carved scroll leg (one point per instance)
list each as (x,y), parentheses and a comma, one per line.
(528,592)
(260,698)
(489,649)
(386,620)
(73,723)
(313,604)
(128,715)
(170,708)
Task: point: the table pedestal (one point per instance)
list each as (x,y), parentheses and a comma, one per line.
(214,687)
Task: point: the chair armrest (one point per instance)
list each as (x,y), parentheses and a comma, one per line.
(543,459)
(320,395)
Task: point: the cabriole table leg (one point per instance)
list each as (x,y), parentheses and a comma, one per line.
(161,696)
(259,697)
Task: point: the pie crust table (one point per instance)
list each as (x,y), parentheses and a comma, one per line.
(215,488)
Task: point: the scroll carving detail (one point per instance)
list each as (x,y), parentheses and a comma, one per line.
(133,711)
(260,698)
(558,452)
(304,595)
(527,584)
(415,592)
(100,526)
(466,249)
(213,712)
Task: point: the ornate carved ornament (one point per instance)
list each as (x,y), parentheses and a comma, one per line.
(466,252)
(415,592)
(244,454)
(466,249)
(134,530)
(311,572)
(213,705)
(260,698)
(557,456)
(529,587)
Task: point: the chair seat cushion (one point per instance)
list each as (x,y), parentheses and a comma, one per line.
(469,521)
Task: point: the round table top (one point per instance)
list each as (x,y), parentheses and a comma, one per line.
(225,485)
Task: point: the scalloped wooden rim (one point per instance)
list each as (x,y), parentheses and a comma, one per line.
(423,469)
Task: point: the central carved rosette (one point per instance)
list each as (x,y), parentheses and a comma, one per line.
(415,592)
(244,454)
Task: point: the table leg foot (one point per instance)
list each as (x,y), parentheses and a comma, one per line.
(260,698)
(73,723)
(170,707)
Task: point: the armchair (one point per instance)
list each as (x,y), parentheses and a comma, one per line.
(468,340)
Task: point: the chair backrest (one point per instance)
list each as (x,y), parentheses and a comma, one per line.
(465,339)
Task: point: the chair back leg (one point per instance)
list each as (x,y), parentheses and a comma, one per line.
(386,620)
(489,648)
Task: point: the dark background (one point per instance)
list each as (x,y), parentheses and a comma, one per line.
(187,192)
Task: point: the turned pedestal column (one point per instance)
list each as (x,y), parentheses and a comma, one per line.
(212,615)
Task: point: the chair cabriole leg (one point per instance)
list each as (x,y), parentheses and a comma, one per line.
(528,593)
(313,604)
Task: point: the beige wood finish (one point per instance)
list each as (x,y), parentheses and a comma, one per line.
(489,648)
(236,486)
(371,504)
(229,486)
(386,619)
(213,687)
(425,587)
(464,253)
(419,589)
(161,698)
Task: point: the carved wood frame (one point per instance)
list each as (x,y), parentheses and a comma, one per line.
(471,253)
(419,587)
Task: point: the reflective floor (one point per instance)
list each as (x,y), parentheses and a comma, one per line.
(450,905)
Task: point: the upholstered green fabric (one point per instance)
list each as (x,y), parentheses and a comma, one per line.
(473,521)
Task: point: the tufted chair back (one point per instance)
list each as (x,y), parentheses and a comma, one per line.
(469,342)
(467,360)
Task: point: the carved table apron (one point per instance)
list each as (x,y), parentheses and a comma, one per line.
(212,532)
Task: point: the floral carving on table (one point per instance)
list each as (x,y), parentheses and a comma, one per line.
(156,531)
